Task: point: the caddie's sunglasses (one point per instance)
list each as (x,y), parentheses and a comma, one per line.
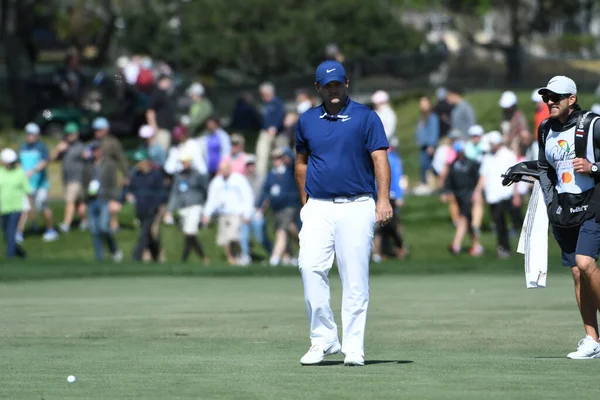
(555,97)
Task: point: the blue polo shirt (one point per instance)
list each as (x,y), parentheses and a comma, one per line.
(339,148)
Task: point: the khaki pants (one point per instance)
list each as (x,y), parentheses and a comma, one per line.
(264,145)
(163,139)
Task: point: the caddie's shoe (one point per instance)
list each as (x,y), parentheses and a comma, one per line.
(317,353)
(587,348)
(354,360)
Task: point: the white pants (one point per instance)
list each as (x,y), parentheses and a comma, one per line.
(346,230)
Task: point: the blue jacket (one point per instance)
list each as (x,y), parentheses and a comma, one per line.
(280,190)
(428,133)
(149,191)
(273,114)
(396,191)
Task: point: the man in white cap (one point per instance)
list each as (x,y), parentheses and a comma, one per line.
(156,152)
(500,198)
(513,121)
(34,157)
(474,147)
(200,110)
(568,174)
(381,105)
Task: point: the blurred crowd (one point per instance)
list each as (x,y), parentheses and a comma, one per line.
(192,170)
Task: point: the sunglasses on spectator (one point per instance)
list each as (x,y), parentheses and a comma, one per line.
(555,97)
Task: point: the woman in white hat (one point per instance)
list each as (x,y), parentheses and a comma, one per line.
(14,186)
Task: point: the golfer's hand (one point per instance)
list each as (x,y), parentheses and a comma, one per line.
(383,211)
(582,165)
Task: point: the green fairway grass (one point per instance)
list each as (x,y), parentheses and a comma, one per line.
(429,337)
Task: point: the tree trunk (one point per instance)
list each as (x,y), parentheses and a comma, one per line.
(514,60)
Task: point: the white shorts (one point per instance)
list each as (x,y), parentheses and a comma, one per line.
(190,219)
(229,229)
(40,200)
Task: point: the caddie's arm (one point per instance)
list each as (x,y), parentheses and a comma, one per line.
(546,184)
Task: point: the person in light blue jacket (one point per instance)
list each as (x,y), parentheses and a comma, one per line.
(428,133)
(392,229)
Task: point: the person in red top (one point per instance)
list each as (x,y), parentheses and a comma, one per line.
(541,112)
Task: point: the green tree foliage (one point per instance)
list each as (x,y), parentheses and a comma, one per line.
(262,37)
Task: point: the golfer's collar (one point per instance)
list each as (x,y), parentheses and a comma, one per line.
(342,114)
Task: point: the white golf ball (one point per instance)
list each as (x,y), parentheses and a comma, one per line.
(70,379)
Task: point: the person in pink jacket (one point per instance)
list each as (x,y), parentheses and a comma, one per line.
(238,155)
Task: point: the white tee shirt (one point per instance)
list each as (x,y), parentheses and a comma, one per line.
(492,167)
(560,152)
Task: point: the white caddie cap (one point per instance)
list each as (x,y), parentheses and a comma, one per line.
(494,137)
(508,99)
(197,89)
(475,130)
(146,131)
(8,156)
(560,84)
(32,129)
(380,97)
(536,97)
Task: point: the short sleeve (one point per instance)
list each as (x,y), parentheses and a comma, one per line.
(154,100)
(301,143)
(375,138)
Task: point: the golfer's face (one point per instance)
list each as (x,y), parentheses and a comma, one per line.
(334,92)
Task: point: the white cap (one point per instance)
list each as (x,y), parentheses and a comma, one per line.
(476,130)
(146,131)
(250,159)
(494,137)
(32,129)
(8,156)
(508,99)
(536,97)
(122,62)
(186,155)
(595,108)
(560,84)
(380,97)
(197,89)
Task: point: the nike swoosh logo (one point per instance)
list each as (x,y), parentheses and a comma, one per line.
(330,70)
(345,119)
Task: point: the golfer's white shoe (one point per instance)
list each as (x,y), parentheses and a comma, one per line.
(588,348)
(317,353)
(353,359)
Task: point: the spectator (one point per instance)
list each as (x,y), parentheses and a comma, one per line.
(185,144)
(161,112)
(287,138)
(188,194)
(111,148)
(14,186)
(280,194)
(501,199)
(71,151)
(462,179)
(146,189)
(474,147)
(238,155)
(541,111)
(443,110)
(303,101)
(427,134)
(462,116)
(513,121)
(132,70)
(245,116)
(145,78)
(445,160)
(69,80)
(257,223)
(273,115)
(200,110)
(215,145)
(157,153)
(229,195)
(381,103)
(101,189)
(391,230)
(34,158)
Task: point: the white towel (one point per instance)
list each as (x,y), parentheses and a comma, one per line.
(534,240)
